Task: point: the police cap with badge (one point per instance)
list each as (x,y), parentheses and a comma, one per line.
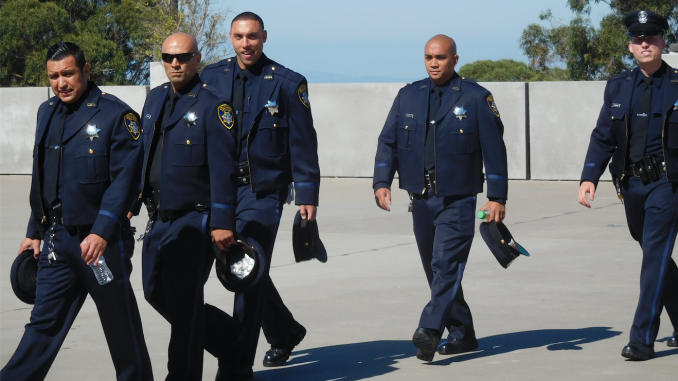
(24,275)
(645,24)
(240,267)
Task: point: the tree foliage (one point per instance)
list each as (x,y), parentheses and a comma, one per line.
(508,71)
(590,53)
(119,37)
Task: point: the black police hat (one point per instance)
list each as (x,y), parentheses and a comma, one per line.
(645,24)
(306,240)
(241,266)
(24,276)
(501,243)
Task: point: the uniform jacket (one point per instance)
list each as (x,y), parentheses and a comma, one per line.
(462,143)
(199,163)
(99,177)
(610,137)
(281,147)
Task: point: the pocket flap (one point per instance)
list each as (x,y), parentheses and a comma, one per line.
(618,113)
(91,150)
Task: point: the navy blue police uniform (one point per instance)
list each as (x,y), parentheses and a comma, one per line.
(439,157)
(92,184)
(279,146)
(189,187)
(651,208)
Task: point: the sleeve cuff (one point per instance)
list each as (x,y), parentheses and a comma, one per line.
(106,226)
(306,195)
(222,216)
(381,184)
(497,199)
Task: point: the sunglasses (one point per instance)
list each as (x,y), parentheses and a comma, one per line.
(181,57)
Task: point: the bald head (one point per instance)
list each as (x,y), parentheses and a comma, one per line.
(445,42)
(180,43)
(440,57)
(180,58)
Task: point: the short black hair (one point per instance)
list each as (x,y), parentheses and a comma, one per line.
(246,16)
(61,50)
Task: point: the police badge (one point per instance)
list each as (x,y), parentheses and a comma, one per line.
(493,106)
(460,112)
(132,126)
(190,119)
(642,17)
(226,115)
(272,107)
(303,95)
(92,132)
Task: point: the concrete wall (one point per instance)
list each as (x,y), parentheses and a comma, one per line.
(562,116)
(19,108)
(349,118)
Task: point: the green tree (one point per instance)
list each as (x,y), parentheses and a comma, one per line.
(119,37)
(590,53)
(508,71)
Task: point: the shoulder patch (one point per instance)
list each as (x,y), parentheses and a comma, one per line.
(303,95)
(492,105)
(226,115)
(132,125)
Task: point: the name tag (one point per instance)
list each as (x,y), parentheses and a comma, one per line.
(409,115)
(616,105)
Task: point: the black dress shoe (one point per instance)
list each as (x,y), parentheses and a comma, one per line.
(241,374)
(673,340)
(278,356)
(426,340)
(637,351)
(455,346)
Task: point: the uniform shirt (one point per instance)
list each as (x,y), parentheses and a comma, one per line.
(653,146)
(71,109)
(429,160)
(155,164)
(253,80)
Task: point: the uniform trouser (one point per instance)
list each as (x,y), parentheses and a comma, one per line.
(177,259)
(444,229)
(257,218)
(652,216)
(62,288)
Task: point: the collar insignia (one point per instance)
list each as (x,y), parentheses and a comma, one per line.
(460,112)
(190,118)
(272,107)
(92,132)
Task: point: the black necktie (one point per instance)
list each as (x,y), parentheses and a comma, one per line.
(639,138)
(429,161)
(239,105)
(53,159)
(156,164)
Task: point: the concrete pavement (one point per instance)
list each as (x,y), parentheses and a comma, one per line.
(563,314)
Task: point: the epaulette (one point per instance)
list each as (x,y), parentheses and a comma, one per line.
(219,64)
(113,98)
(417,84)
(627,75)
(469,80)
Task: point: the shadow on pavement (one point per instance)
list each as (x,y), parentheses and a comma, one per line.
(361,361)
(553,339)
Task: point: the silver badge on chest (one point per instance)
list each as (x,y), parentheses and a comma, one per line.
(272,107)
(190,119)
(460,112)
(92,132)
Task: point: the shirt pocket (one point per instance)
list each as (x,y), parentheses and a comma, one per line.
(406,134)
(461,137)
(188,153)
(92,163)
(619,118)
(274,135)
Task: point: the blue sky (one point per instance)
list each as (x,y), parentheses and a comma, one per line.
(383,41)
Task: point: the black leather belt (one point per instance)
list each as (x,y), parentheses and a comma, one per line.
(244,173)
(166,215)
(648,170)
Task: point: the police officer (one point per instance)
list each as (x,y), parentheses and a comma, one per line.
(189,186)
(278,146)
(638,129)
(437,135)
(85,175)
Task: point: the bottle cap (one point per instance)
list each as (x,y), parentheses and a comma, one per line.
(482,214)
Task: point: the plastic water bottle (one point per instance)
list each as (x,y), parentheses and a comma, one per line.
(102,272)
(483,215)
